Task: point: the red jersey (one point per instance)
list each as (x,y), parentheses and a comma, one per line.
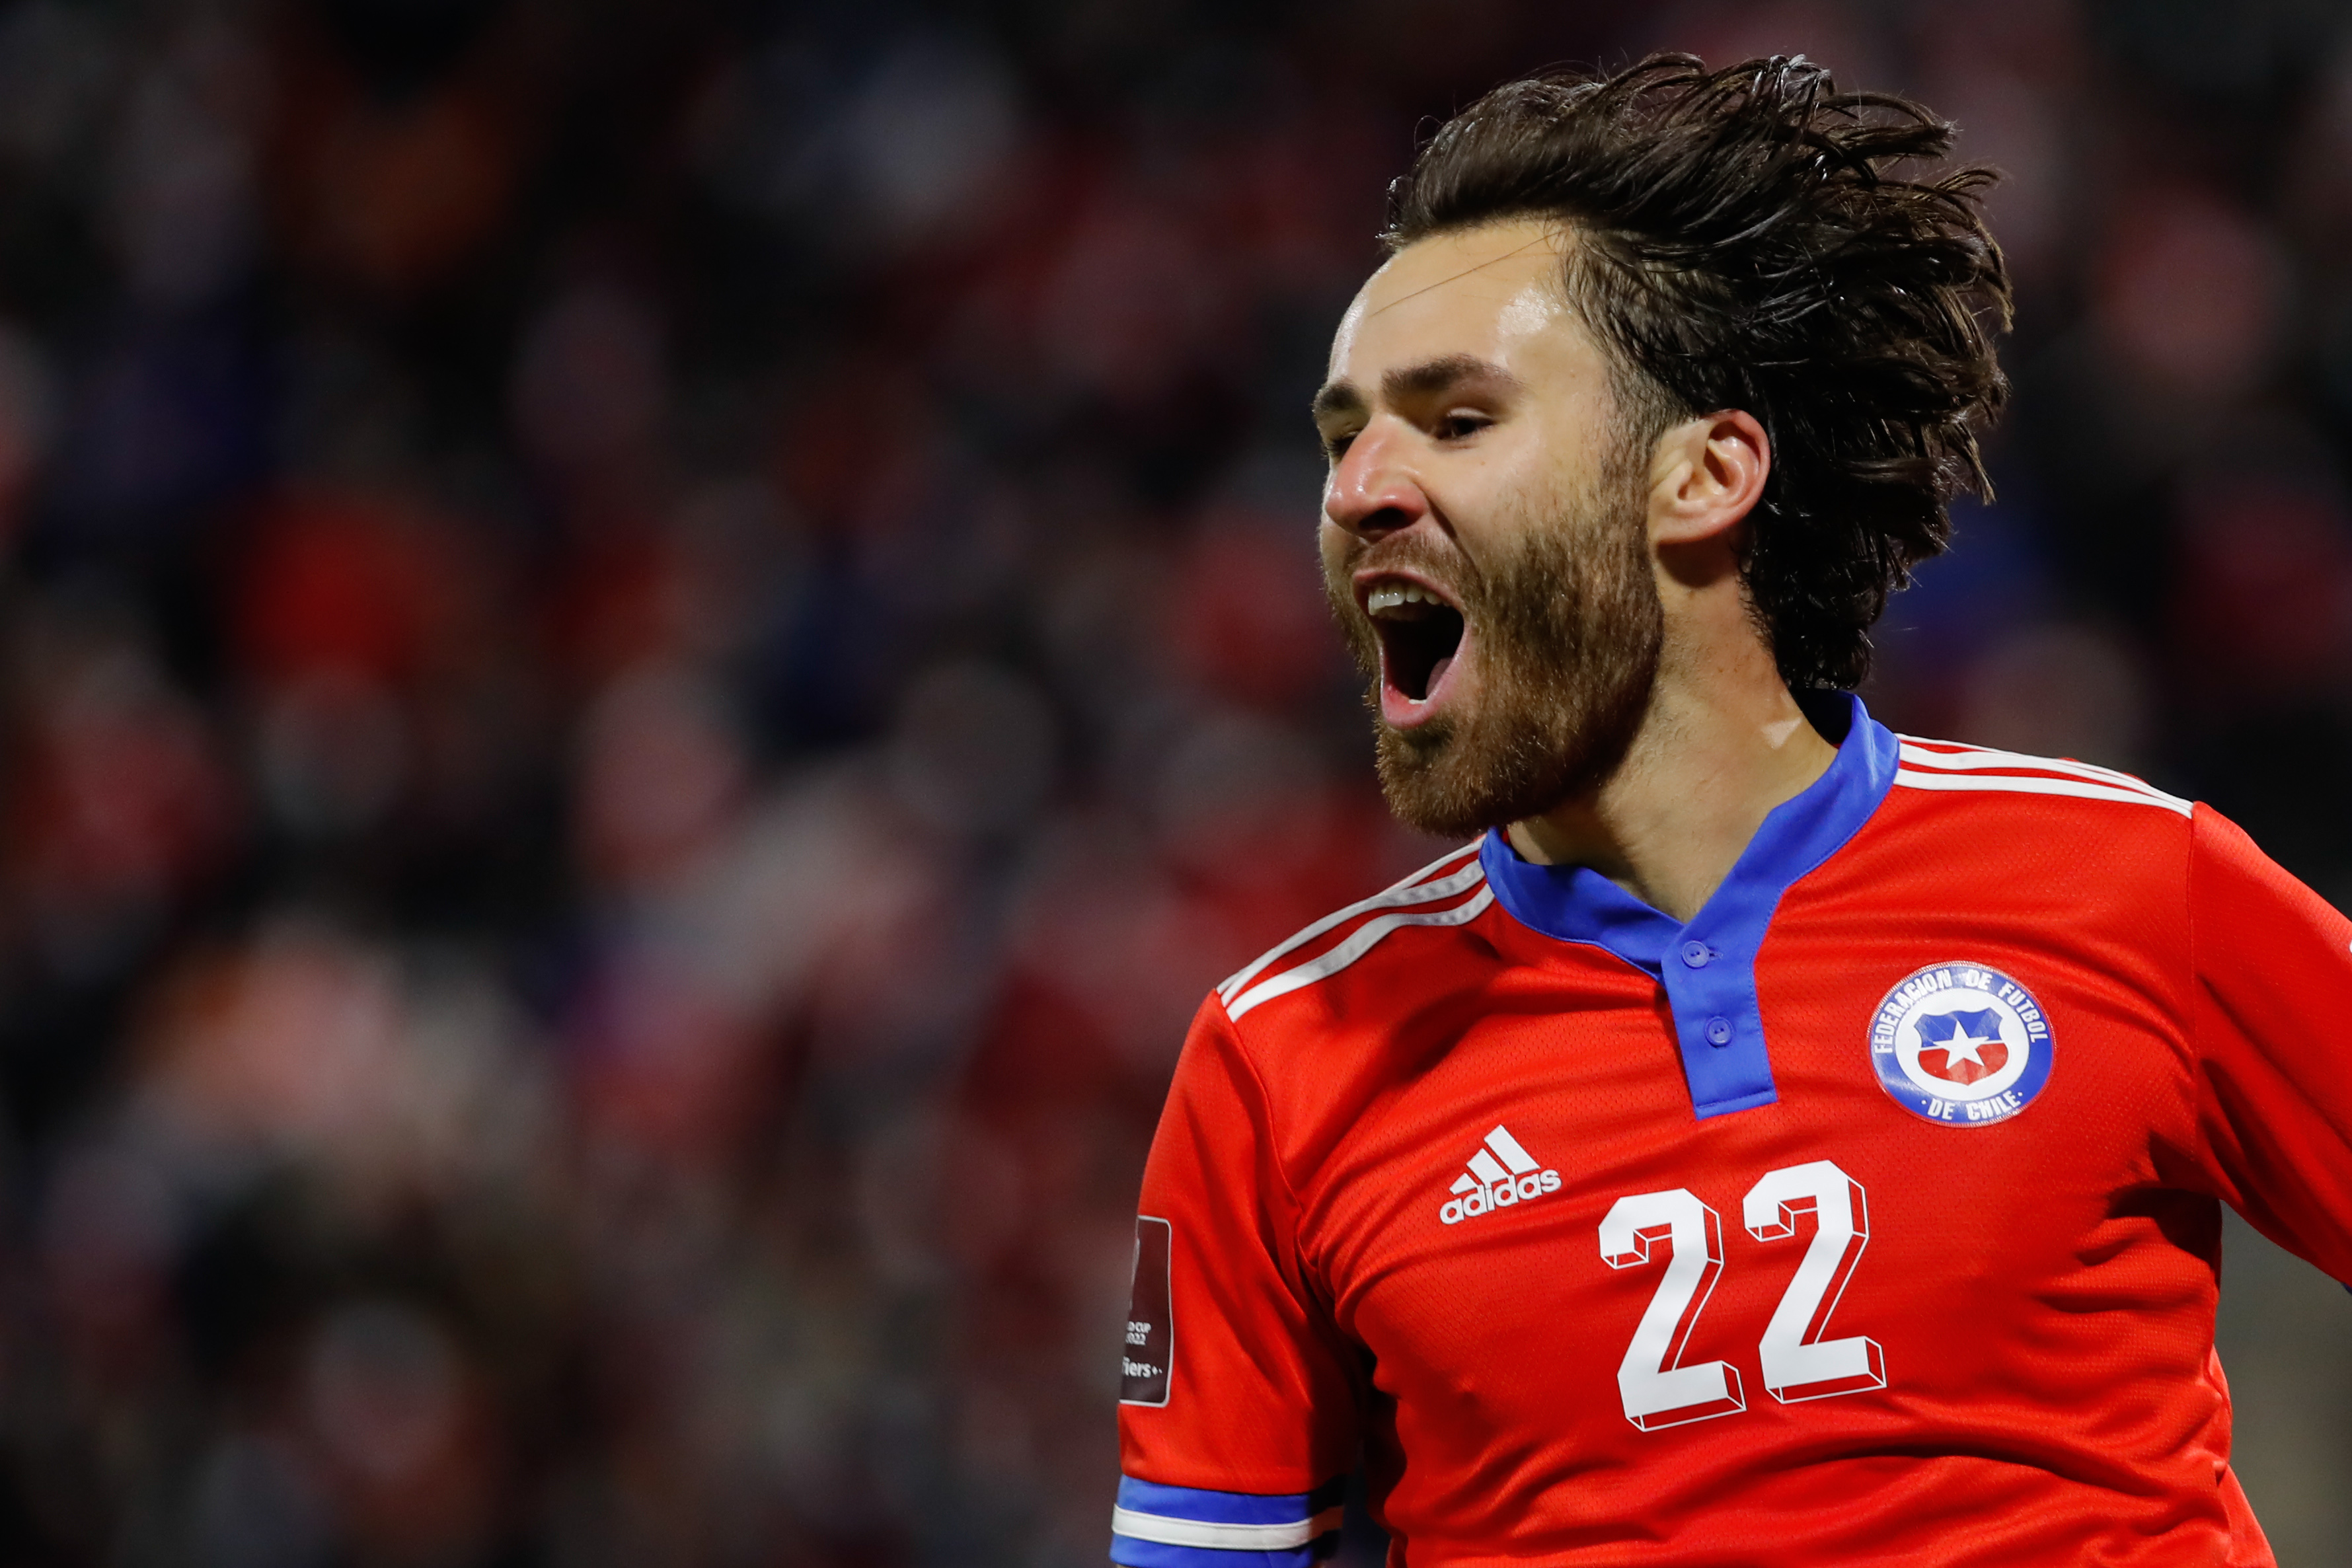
(1872,1216)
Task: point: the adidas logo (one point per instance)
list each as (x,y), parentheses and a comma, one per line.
(1501,1173)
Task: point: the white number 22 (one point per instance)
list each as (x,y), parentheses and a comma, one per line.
(1656,1389)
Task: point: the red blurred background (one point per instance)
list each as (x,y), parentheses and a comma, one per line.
(651,648)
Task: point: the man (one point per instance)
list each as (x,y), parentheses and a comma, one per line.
(1773,1140)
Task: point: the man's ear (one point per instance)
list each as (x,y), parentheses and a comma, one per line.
(1705,476)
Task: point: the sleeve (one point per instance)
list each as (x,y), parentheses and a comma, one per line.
(1238,1409)
(2271,1013)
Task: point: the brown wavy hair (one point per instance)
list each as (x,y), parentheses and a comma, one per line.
(1753,238)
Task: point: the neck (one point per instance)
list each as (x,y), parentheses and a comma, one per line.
(1712,757)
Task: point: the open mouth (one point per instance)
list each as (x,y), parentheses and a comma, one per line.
(1420,635)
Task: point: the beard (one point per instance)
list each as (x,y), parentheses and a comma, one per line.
(1567,628)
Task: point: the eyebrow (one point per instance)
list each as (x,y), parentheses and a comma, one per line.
(1424,380)
(1337,397)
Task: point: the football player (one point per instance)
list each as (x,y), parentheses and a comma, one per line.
(1771,1140)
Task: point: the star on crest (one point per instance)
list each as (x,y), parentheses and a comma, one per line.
(1963,1047)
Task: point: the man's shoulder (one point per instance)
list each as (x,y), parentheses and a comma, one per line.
(1980,785)
(1397,936)
(2036,839)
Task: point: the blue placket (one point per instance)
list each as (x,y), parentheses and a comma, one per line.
(1707,967)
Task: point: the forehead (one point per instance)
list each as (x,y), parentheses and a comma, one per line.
(1490,293)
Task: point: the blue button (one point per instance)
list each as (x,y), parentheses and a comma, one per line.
(1718,1031)
(1696,953)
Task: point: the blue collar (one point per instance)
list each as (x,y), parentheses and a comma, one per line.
(1708,966)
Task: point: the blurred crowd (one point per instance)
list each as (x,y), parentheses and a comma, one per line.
(651,648)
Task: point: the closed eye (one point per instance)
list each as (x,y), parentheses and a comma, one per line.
(1460,425)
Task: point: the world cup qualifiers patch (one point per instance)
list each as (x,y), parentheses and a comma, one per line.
(1961,1044)
(1151,1353)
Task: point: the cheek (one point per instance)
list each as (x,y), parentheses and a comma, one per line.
(1495,498)
(1585,452)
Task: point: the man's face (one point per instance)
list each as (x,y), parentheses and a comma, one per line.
(1483,531)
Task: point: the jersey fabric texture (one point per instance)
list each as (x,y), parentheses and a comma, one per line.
(1872,1217)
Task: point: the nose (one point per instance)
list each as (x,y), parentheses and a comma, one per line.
(1372,491)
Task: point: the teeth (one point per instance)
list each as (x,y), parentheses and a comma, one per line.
(1390,596)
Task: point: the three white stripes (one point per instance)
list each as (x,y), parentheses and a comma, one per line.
(1240,994)
(1358,944)
(1919,767)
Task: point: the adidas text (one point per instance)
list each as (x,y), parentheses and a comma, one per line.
(1501,1173)
(1502,1195)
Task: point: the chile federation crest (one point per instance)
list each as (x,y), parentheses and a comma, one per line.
(1961,1045)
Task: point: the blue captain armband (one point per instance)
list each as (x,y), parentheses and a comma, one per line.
(1183,1527)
